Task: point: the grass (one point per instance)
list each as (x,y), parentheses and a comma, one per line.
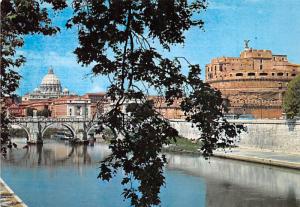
(183,145)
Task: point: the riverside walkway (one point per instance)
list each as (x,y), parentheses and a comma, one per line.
(8,198)
(280,159)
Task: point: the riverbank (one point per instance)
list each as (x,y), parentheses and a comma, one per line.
(274,158)
(255,155)
(8,198)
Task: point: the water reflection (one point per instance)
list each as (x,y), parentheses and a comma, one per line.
(53,154)
(234,183)
(222,183)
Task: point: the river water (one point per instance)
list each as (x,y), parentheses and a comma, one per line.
(59,175)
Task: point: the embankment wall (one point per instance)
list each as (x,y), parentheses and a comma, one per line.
(278,135)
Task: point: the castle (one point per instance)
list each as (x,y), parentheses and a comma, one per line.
(254,83)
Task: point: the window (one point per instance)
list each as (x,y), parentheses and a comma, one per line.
(279,74)
(261,67)
(78,110)
(239,74)
(263,74)
(251,74)
(273,74)
(293,74)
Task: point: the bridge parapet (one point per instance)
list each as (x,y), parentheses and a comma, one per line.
(35,127)
(42,119)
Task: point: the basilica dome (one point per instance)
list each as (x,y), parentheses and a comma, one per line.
(50,88)
(50,79)
(51,84)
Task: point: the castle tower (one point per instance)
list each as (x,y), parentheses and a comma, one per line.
(253,83)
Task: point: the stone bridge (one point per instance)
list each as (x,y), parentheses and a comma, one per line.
(36,127)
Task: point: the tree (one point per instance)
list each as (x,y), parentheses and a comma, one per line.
(29,111)
(291,102)
(118,39)
(19,18)
(45,112)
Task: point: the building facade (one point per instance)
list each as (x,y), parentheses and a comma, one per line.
(172,111)
(253,83)
(71,106)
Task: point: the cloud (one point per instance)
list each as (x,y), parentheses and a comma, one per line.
(97,87)
(220,6)
(65,60)
(54,59)
(253,1)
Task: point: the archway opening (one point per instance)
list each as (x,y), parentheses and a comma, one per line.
(19,132)
(58,131)
(93,133)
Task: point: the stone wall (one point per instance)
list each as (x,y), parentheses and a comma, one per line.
(278,135)
(185,129)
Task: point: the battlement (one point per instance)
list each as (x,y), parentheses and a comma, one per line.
(253,53)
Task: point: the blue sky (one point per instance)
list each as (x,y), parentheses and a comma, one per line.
(269,24)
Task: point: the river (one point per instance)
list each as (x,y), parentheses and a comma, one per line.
(57,174)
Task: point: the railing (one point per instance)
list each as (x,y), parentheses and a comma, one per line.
(44,119)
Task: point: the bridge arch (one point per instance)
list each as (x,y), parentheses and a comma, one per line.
(91,128)
(69,127)
(23,127)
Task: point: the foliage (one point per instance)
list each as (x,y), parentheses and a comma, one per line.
(118,39)
(107,134)
(291,102)
(17,133)
(45,112)
(19,18)
(29,111)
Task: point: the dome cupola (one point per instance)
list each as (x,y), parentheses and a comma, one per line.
(49,88)
(50,84)
(50,78)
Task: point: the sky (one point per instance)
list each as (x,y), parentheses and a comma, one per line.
(268,24)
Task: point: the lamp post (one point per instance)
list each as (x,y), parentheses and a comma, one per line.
(84,124)
(243,107)
(280,92)
(85,109)
(260,108)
